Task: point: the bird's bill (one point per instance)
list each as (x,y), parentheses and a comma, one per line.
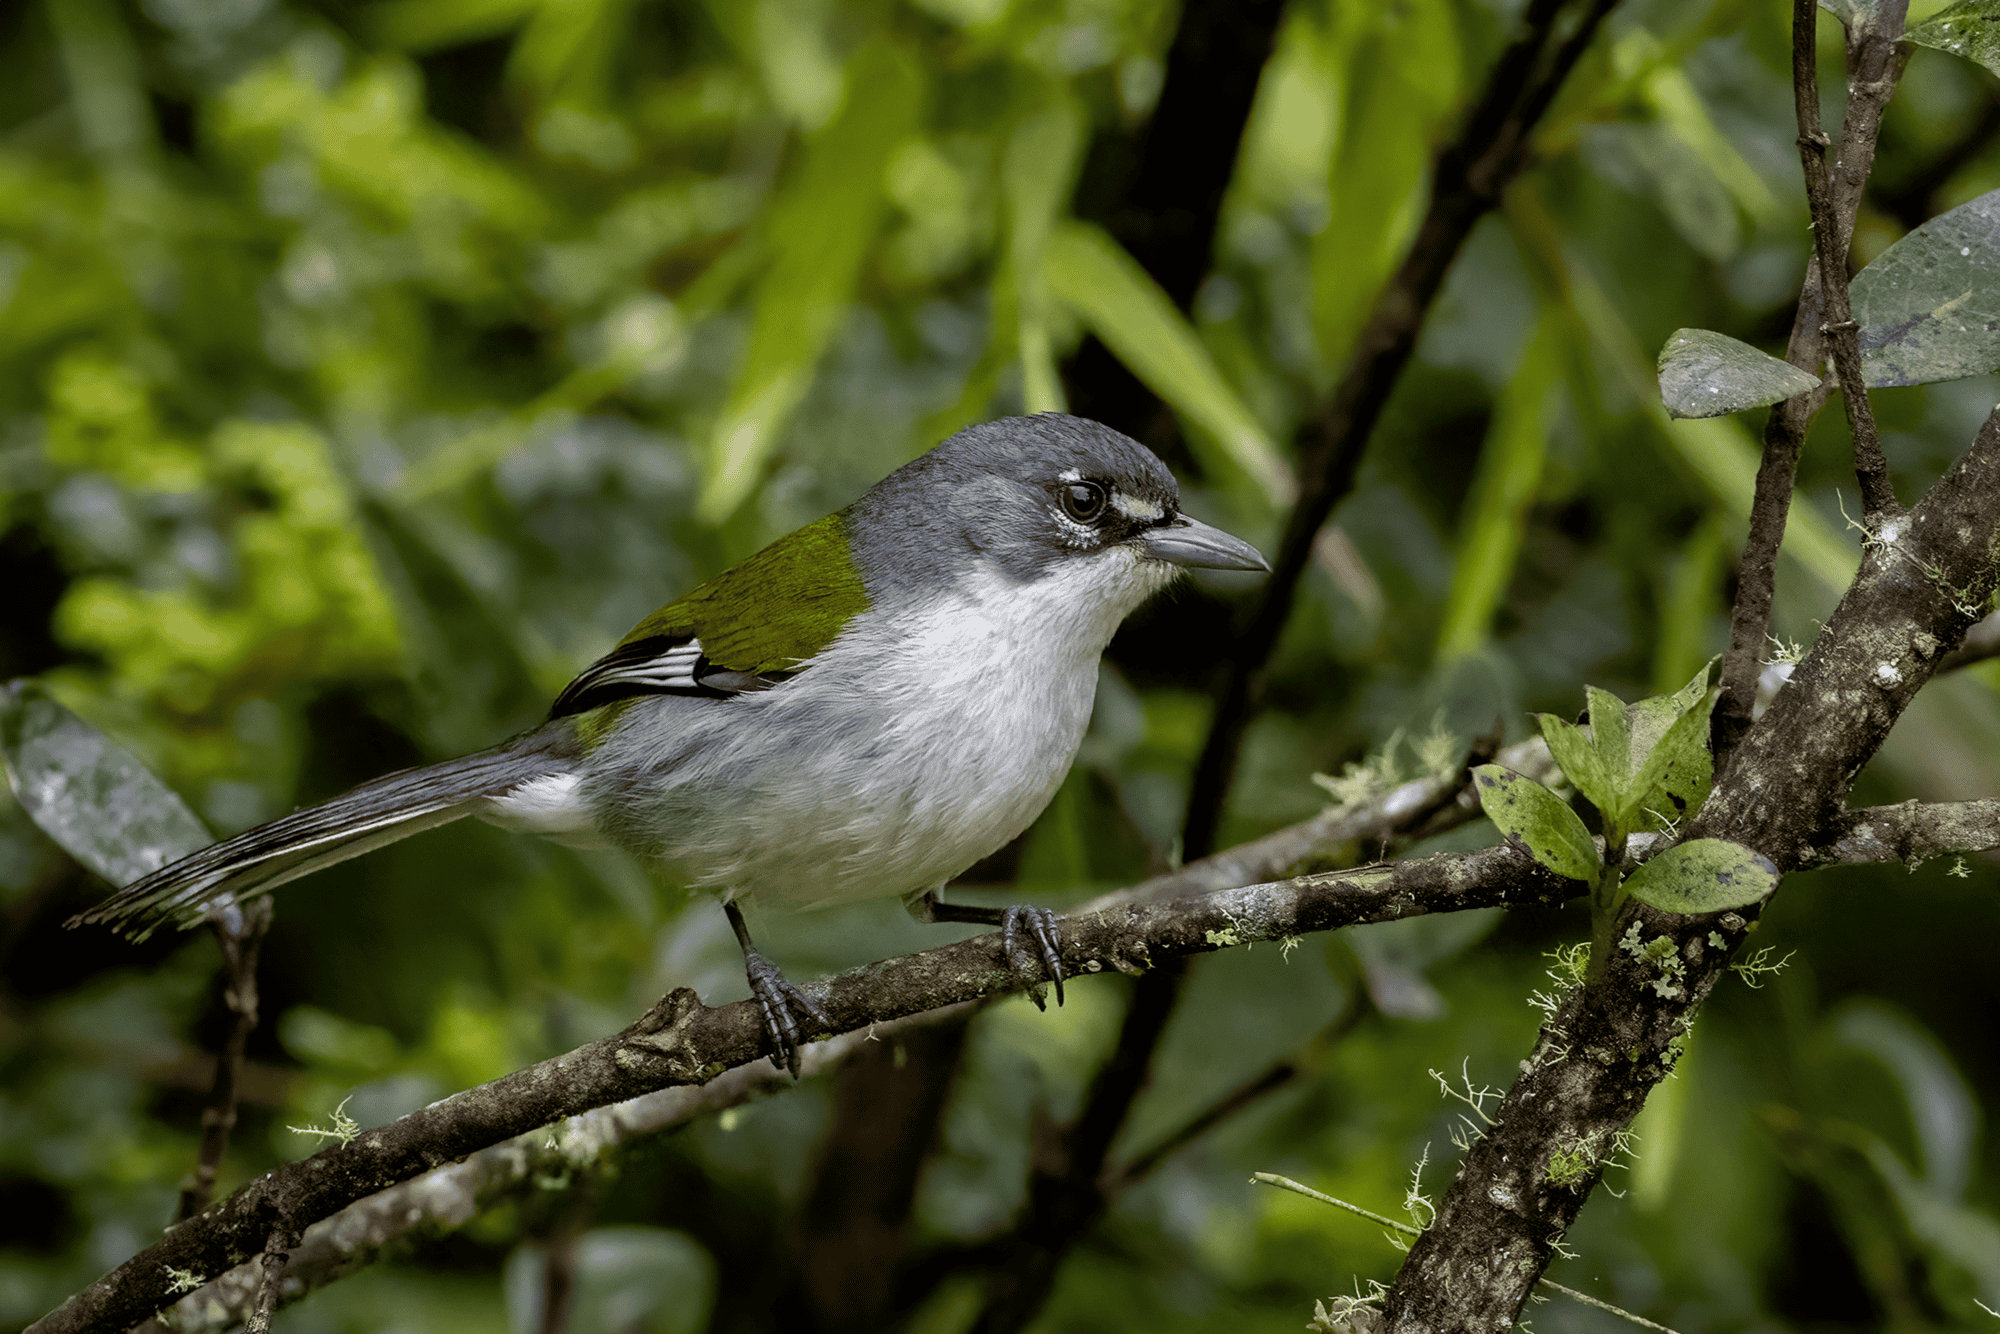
(1199,546)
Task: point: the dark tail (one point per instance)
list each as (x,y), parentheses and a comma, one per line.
(261,859)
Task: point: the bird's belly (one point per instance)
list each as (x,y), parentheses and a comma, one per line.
(816,801)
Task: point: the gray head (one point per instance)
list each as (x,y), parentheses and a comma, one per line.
(1031,496)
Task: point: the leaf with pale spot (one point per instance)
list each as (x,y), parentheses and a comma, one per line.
(1929,305)
(1707,374)
(1703,876)
(88,793)
(1970,29)
(1536,821)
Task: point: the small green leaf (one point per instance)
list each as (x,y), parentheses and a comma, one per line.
(88,793)
(1678,770)
(1577,757)
(1706,875)
(1707,374)
(1537,821)
(1929,306)
(1970,28)
(1611,733)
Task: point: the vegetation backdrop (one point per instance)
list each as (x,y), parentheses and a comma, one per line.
(367,367)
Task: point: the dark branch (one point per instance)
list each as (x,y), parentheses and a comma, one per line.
(448,1197)
(1785,429)
(681,1042)
(240,933)
(1920,588)
(1832,233)
(1470,175)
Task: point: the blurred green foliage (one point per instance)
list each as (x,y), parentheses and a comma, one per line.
(367,368)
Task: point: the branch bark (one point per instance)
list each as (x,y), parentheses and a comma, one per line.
(1871,49)
(1875,63)
(1921,585)
(240,933)
(448,1197)
(683,1042)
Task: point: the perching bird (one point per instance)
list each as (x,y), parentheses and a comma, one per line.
(865,707)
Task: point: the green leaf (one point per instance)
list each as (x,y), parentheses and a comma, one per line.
(1537,821)
(88,793)
(1707,374)
(1678,769)
(1611,734)
(1577,757)
(1929,306)
(1706,875)
(1970,28)
(1091,274)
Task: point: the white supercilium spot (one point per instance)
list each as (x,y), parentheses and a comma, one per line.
(1132,507)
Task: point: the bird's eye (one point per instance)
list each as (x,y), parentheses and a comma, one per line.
(1084,501)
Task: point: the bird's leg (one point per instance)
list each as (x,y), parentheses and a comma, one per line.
(782,1003)
(1020,925)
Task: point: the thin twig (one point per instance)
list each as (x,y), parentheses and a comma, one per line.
(277,1250)
(240,932)
(1830,242)
(1873,64)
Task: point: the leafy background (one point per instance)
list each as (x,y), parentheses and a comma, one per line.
(367,368)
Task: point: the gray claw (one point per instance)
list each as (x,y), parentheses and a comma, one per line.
(1045,960)
(780,1001)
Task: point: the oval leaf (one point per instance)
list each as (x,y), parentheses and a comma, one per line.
(1577,757)
(1706,875)
(1929,306)
(1678,769)
(1707,374)
(1966,29)
(89,793)
(1536,821)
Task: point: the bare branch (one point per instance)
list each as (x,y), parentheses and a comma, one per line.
(450,1196)
(240,933)
(1875,67)
(1832,234)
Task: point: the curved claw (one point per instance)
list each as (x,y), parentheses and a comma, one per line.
(780,1002)
(1045,960)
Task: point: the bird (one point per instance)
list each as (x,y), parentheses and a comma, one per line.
(865,707)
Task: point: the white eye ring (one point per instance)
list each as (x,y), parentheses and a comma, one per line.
(1084,501)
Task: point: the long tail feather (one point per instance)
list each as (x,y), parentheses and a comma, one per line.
(258,860)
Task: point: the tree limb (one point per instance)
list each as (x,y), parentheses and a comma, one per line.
(448,1197)
(1786,427)
(683,1042)
(1922,583)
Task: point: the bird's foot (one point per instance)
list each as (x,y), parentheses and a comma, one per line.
(783,1006)
(1031,938)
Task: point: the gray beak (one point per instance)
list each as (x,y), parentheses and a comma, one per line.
(1196,545)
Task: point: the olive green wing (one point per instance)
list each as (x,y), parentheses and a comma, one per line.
(749,628)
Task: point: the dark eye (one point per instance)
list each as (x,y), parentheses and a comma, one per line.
(1083,501)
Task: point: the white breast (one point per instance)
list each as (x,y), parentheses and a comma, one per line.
(912,747)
